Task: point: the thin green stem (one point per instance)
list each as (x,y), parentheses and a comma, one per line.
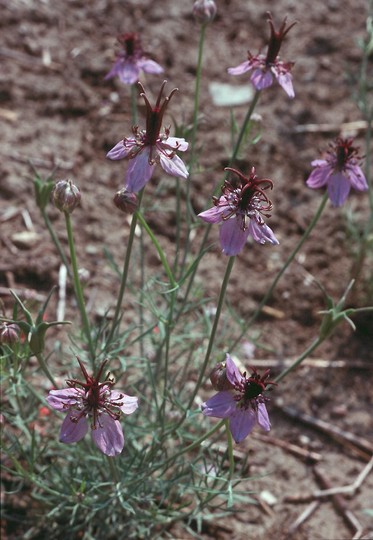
(230,448)
(291,257)
(78,288)
(45,370)
(55,240)
(123,284)
(299,360)
(219,307)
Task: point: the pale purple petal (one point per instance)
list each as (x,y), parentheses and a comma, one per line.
(212,215)
(108,435)
(286,82)
(129,73)
(176,143)
(262,233)
(62,399)
(127,404)
(114,70)
(221,405)
(320,175)
(121,149)
(232,237)
(139,171)
(149,66)
(174,166)
(338,189)
(357,178)
(72,432)
(261,79)
(241,68)
(263,419)
(241,423)
(233,373)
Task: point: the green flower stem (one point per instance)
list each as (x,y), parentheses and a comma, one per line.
(55,240)
(44,368)
(268,294)
(194,445)
(123,283)
(214,328)
(236,149)
(78,288)
(299,360)
(230,448)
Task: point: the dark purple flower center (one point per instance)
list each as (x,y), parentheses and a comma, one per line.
(343,152)
(131,44)
(154,115)
(250,389)
(245,196)
(276,39)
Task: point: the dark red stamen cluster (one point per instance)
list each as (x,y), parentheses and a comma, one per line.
(154,115)
(131,43)
(250,389)
(343,151)
(276,39)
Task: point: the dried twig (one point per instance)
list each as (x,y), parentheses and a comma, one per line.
(359,445)
(303,517)
(327,128)
(339,503)
(311,362)
(62,275)
(294,449)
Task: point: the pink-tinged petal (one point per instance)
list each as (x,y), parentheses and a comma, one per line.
(221,405)
(338,189)
(320,175)
(174,166)
(72,432)
(286,82)
(108,435)
(233,373)
(127,404)
(263,419)
(232,237)
(241,68)
(129,73)
(262,233)
(139,171)
(121,149)
(357,178)
(261,79)
(62,399)
(212,215)
(114,70)
(241,423)
(149,66)
(176,143)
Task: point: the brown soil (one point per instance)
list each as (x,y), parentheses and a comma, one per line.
(57,110)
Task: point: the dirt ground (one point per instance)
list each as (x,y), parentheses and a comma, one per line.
(57,110)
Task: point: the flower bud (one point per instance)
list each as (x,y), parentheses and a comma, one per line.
(218,378)
(126,201)
(66,196)
(204,11)
(9,333)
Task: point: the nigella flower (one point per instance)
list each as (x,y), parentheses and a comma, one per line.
(98,402)
(239,210)
(242,402)
(146,148)
(269,67)
(339,171)
(131,60)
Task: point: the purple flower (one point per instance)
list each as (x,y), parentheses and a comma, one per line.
(267,68)
(131,60)
(146,148)
(239,210)
(243,403)
(98,402)
(339,171)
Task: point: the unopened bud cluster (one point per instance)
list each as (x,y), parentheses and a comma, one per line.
(126,201)
(204,11)
(9,333)
(66,196)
